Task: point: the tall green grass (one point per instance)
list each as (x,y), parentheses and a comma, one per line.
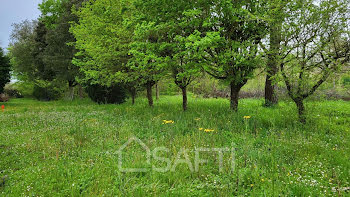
(68,148)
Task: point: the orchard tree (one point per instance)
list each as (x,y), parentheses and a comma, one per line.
(147,59)
(228,42)
(5,69)
(275,16)
(184,64)
(185,68)
(311,49)
(172,22)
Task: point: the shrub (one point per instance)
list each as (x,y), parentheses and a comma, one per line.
(24,88)
(13,93)
(46,93)
(116,94)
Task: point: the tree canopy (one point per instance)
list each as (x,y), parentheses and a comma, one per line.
(137,43)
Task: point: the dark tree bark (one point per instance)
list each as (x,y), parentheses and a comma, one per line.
(235,88)
(133,95)
(184,98)
(270,90)
(301,110)
(272,65)
(149,86)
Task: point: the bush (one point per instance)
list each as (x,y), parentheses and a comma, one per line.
(46,93)
(4,98)
(24,88)
(13,93)
(115,94)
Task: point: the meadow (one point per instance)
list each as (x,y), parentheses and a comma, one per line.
(67,148)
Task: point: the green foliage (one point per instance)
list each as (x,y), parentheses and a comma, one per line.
(314,46)
(116,94)
(146,53)
(40,51)
(104,46)
(12,92)
(47,91)
(346,80)
(21,50)
(59,52)
(24,88)
(51,11)
(5,69)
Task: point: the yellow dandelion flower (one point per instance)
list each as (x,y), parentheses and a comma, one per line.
(209,130)
(262,180)
(246,117)
(168,122)
(251,185)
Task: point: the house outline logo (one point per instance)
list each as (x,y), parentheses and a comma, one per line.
(120,155)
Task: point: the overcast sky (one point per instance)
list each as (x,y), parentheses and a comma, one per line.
(15,11)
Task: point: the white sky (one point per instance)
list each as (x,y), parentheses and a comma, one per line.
(15,11)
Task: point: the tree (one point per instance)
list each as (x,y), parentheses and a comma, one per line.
(275,19)
(59,51)
(51,11)
(5,69)
(21,49)
(228,42)
(310,48)
(171,23)
(103,36)
(184,67)
(27,51)
(27,58)
(146,50)
(42,72)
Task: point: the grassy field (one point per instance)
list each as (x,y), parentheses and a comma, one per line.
(69,149)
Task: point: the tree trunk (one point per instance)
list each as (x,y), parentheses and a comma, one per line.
(157,91)
(71,93)
(272,65)
(71,90)
(301,110)
(234,96)
(149,93)
(184,98)
(270,88)
(81,92)
(133,96)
